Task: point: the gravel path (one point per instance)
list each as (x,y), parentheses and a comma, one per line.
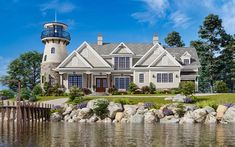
(59,101)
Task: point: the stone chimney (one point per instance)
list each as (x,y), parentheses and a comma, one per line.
(100,39)
(155,38)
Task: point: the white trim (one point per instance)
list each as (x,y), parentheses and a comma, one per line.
(185,54)
(95,53)
(83,60)
(157,59)
(128,49)
(139,78)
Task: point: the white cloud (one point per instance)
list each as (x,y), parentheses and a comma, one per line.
(154,9)
(3,64)
(59,6)
(180,19)
(228,15)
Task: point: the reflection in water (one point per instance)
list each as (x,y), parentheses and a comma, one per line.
(100,135)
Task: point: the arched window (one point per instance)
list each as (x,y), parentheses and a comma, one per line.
(52,50)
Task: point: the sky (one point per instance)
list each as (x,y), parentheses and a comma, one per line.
(118,20)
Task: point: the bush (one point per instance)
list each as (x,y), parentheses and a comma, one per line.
(122,92)
(175,91)
(37,90)
(187,88)
(124,101)
(7,94)
(78,100)
(57,108)
(145,89)
(138,91)
(203,104)
(33,98)
(152,88)
(180,110)
(132,87)
(100,108)
(48,89)
(149,105)
(25,93)
(86,91)
(74,92)
(220,87)
(112,90)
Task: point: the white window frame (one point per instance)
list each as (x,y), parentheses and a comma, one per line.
(117,67)
(168,80)
(115,77)
(141,80)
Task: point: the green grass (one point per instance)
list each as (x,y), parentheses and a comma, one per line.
(47,98)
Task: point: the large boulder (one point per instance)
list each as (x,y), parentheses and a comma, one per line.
(210,119)
(159,113)
(130,109)
(84,113)
(150,117)
(68,110)
(229,115)
(137,118)
(91,103)
(107,120)
(119,116)
(220,111)
(199,115)
(56,117)
(188,118)
(178,98)
(114,108)
(93,118)
(169,119)
(209,109)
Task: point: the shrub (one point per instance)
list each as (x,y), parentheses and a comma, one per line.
(7,94)
(112,90)
(152,88)
(138,91)
(122,92)
(175,91)
(100,108)
(180,110)
(48,89)
(148,105)
(74,92)
(203,104)
(187,88)
(57,91)
(37,90)
(167,112)
(57,108)
(124,101)
(163,91)
(132,87)
(33,98)
(78,100)
(220,87)
(145,89)
(25,93)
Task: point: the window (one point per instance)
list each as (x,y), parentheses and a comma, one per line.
(121,63)
(186,61)
(141,78)
(165,77)
(75,80)
(45,57)
(122,83)
(52,50)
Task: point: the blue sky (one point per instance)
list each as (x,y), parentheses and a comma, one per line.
(118,20)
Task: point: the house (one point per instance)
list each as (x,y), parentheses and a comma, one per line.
(99,66)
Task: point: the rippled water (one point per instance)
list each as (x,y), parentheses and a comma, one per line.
(101,135)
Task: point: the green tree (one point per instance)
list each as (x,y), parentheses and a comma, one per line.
(25,68)
(173,39)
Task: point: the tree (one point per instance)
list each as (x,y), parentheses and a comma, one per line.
(173,39)
(25,68)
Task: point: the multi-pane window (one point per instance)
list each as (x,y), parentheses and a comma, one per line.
(121,63)
(52,50)
(75,80)
(122,83)
(141,78)
(165,77)
(186,61)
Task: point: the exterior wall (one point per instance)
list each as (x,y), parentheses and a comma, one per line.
(109,61)
(146,78)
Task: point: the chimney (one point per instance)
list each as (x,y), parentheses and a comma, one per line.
(100,39)
(155,38)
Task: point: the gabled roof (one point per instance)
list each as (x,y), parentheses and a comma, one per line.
(121,46)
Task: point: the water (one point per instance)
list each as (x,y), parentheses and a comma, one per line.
(120,135)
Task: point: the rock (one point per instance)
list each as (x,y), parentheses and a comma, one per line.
(130,109)
(210,119)
(76,118)
(74,112)
(149,117)
(169,119)
(83,121)
(159,113)
(124,120)
(84,113)
(68,110)
(107,120)
(94,118)
(168,98)
(178,98)
(142,111)
(137,118)
(190,107)
(220,111)
(114,108)
(70,120)
(67,117)
(188,118)
(229,115)
(119,116)
(209,109)
(199,115)
(91,103)
(56,117)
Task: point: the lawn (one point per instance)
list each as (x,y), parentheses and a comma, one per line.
(48,98)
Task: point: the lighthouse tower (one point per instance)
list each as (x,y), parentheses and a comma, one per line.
(55,38)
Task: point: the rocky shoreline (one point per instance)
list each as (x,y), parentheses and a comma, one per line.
(140,113)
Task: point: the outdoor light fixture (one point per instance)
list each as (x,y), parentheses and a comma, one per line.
(153,76)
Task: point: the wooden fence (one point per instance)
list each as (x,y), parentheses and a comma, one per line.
(23,112)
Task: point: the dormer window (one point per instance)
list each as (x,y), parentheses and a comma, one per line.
(186,61)
(186,58)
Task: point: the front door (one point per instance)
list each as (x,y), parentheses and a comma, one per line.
(101,84)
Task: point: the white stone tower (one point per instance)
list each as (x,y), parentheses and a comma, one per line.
(55,38)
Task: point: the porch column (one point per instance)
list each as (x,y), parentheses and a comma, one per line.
(61,80)
(92,82)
